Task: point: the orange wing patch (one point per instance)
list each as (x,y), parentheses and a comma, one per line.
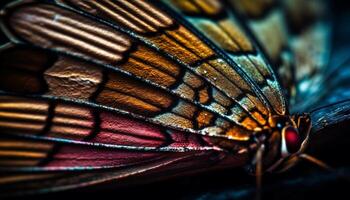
(174,75)
(21,152)
(208,7)
(225,31)
(51,27)
(179,42)
(138,16)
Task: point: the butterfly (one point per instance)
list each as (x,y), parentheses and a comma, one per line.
(103,91)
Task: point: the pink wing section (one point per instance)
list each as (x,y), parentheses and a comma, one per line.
(117,129)
(73,135)
(55,145)
(125,131)
(82,123)
(84,156)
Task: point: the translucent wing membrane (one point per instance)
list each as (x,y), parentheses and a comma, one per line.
(301,47)
(295,37)
(331,105)
(332,84)
(332,87)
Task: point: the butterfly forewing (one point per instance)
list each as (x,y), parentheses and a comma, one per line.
(206,75)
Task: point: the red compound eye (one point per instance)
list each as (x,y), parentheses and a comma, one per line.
(293,140)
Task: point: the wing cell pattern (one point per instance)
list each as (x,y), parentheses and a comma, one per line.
(192,72)
(48,144)
(223,28)
(93,91)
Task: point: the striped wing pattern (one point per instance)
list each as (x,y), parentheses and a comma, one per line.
(93,91)
(53,145)
(193,88)
(220,25)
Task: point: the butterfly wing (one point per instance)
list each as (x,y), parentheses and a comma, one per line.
(302,30)
(330,103)
(68,166)
(192,78)
(48,144)
(161,75)
(218,23)
(334,85)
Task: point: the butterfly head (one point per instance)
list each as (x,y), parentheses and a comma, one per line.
(283,141)
(294,131)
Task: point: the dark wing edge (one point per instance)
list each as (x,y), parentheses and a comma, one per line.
(330,115)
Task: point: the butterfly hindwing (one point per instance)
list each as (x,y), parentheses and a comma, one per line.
(49,144)
(40,166)
(72,121)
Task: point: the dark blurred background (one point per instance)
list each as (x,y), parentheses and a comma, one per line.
(305,181)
